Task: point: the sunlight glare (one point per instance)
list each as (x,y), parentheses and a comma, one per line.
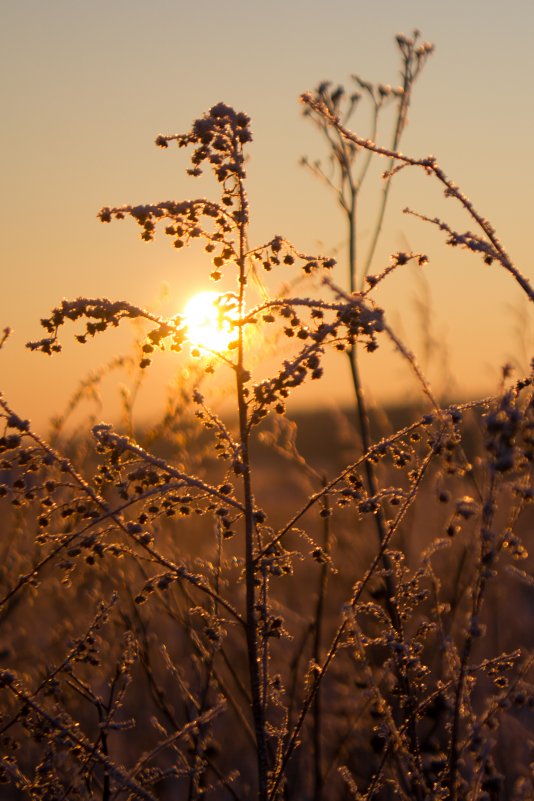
(207,316)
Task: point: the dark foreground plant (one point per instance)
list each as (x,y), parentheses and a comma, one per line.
(168,623)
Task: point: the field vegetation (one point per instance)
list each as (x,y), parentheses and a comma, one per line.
(255,605)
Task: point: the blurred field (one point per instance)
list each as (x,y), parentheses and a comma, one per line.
(167,641)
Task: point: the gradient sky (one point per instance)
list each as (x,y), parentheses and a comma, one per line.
(86,87)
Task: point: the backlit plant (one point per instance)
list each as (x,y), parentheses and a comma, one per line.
(183,627)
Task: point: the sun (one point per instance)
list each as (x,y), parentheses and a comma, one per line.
(208,318)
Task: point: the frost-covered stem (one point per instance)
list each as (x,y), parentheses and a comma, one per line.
(253,648)
(391,590)
(361,405)
(72,736)
(363,415)
(106,786)
(404,103)
(351,220)
(317,656)
(250,621)
(197,773)
(372,486)
(430,165)
(265,639)
(195,788)
(365,432)
(358,590)
(478,594)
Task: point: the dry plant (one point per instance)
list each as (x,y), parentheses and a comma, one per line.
(228,626)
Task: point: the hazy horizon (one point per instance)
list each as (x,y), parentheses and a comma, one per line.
(90,87)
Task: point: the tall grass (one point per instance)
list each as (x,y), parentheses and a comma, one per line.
(201,612)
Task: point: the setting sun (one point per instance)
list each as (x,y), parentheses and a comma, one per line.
(208,317)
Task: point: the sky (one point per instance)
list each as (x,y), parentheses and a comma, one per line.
(87,86)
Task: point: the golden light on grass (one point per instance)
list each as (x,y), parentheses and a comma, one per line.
(208,317)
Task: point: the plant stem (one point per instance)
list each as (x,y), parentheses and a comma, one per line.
(372,483)
(250,582)
(478,595)
(317,656)
(402,112)
(253,651)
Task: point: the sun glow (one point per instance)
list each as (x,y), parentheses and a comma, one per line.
(208,317)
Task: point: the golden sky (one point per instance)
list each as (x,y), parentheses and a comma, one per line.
(87,86)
